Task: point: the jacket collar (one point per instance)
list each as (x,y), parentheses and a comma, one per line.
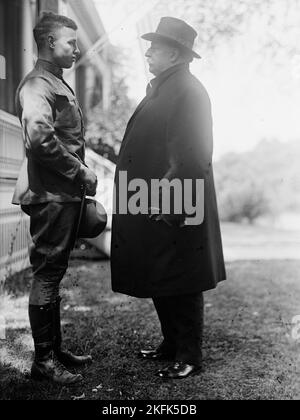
(155,83)
(50,67)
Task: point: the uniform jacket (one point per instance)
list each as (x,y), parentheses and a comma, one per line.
(169,136)
(54,137)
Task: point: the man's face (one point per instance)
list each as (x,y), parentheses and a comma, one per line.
(65,49)
(159,57)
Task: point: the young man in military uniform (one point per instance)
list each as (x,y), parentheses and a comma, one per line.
(54,139)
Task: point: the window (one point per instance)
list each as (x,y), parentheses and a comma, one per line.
(10,52)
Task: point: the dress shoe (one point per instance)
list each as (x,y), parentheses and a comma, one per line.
(51,369)
(157,354)
(67,358)
(179,370)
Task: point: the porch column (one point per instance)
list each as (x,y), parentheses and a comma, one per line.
(27,37)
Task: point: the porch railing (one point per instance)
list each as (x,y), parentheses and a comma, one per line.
(14,238)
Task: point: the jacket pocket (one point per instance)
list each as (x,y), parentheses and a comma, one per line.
(66,111)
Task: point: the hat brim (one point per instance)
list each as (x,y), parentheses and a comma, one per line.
(153,36)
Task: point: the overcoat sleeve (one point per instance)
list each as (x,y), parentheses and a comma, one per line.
(37,104)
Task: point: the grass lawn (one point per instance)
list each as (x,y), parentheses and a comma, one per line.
(249,349)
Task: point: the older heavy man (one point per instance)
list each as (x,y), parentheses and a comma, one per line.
(54,141)
(161,256)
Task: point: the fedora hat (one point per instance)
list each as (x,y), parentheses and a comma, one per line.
(176,31)
(93,219)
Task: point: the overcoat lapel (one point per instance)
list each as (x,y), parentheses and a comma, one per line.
(152,90)
(141,105)
(138,109)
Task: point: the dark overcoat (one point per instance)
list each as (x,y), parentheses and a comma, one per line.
(169,136)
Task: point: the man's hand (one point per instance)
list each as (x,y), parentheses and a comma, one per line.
(158,218)
(170,220)
(89,180)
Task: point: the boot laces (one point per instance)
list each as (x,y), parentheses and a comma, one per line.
(60,368)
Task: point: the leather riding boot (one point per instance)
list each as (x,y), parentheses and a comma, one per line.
(64,356)
(46,365)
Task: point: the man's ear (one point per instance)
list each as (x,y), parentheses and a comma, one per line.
(51,40)
(175,55)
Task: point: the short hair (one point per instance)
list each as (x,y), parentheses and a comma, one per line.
(184,53)
(49,22)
